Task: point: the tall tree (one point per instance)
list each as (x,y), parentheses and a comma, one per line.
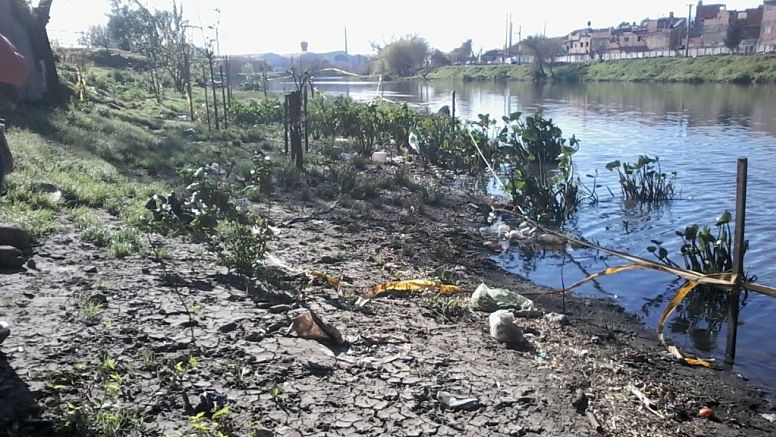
(543,50)
(97,36)
(461,54)
(734,36)
(403,57)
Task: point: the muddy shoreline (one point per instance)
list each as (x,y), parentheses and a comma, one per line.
(580,378)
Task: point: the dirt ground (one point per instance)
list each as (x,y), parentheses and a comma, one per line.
(578,379)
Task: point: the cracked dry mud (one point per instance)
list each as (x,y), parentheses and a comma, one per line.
(402,349)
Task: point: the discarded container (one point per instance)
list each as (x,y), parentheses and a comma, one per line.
(492,299)
(455,403)
(706,413)
(550,240)
(504,329)
(380,157)
(309,326)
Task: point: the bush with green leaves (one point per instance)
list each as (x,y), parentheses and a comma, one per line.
(254,113)
(703,250)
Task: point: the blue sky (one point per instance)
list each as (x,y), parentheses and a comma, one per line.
(251,26)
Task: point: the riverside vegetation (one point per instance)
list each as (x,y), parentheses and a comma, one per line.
(730,69)
(162,274)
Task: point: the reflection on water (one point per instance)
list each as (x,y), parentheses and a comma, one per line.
(698,131)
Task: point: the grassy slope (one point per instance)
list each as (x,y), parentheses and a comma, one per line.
(739,69)
(109,154)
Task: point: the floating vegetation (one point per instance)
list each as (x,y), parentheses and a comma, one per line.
(645,180)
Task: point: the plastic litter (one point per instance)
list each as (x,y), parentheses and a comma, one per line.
(455,403)
(380,157)
(309,326)
(492,299)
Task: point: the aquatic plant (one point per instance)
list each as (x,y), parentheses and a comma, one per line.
(703,250)
(645,181)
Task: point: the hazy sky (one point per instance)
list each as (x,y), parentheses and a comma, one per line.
(255,26)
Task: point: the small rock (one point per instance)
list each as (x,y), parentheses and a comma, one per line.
(99,299)
(254,337)
(560,319)
(329,260)
(457,403)
(90,269)
(277,309)
(769,417)
(32,265)
(5,331)
(580,402)
(595,339)
(229,327)
(15,236)
(11,257)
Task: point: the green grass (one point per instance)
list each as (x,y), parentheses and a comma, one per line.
(723,69)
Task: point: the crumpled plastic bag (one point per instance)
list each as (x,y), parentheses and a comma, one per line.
(488,300)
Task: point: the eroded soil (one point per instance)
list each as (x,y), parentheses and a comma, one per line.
(403,349)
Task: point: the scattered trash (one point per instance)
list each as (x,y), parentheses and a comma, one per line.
(496,230)
(488,299)
(210,401)
(560,319)
(504,328)
(453,402)
(706,413)
(380,157)
(769,417)
(309,326)
(412,285)
(550,240)
(648,403)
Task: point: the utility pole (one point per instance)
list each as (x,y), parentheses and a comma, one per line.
(346,40)
(506,38)
(687,41)
(509,50)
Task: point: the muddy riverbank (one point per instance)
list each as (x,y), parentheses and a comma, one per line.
(582,376)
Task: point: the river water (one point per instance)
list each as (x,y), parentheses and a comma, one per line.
(698,131)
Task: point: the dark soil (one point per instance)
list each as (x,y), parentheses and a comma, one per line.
(402,351)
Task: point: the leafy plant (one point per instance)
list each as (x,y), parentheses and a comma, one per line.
(703,250)
(645,180)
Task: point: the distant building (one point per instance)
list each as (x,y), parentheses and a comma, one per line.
(665,33)
(768,27)
(588,41)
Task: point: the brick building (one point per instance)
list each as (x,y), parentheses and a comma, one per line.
(768,27)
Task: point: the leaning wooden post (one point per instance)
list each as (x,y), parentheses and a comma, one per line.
(295,127)
(738,261)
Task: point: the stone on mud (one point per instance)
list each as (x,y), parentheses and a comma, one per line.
(11,257)
(14,235)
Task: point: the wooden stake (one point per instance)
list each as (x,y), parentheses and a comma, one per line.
(453,113)
(207,100)
(213,83)
(223,97)
(285,123)
(738,261)
(306,123)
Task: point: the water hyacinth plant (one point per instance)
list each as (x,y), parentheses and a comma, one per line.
(645,180)
(703,250)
